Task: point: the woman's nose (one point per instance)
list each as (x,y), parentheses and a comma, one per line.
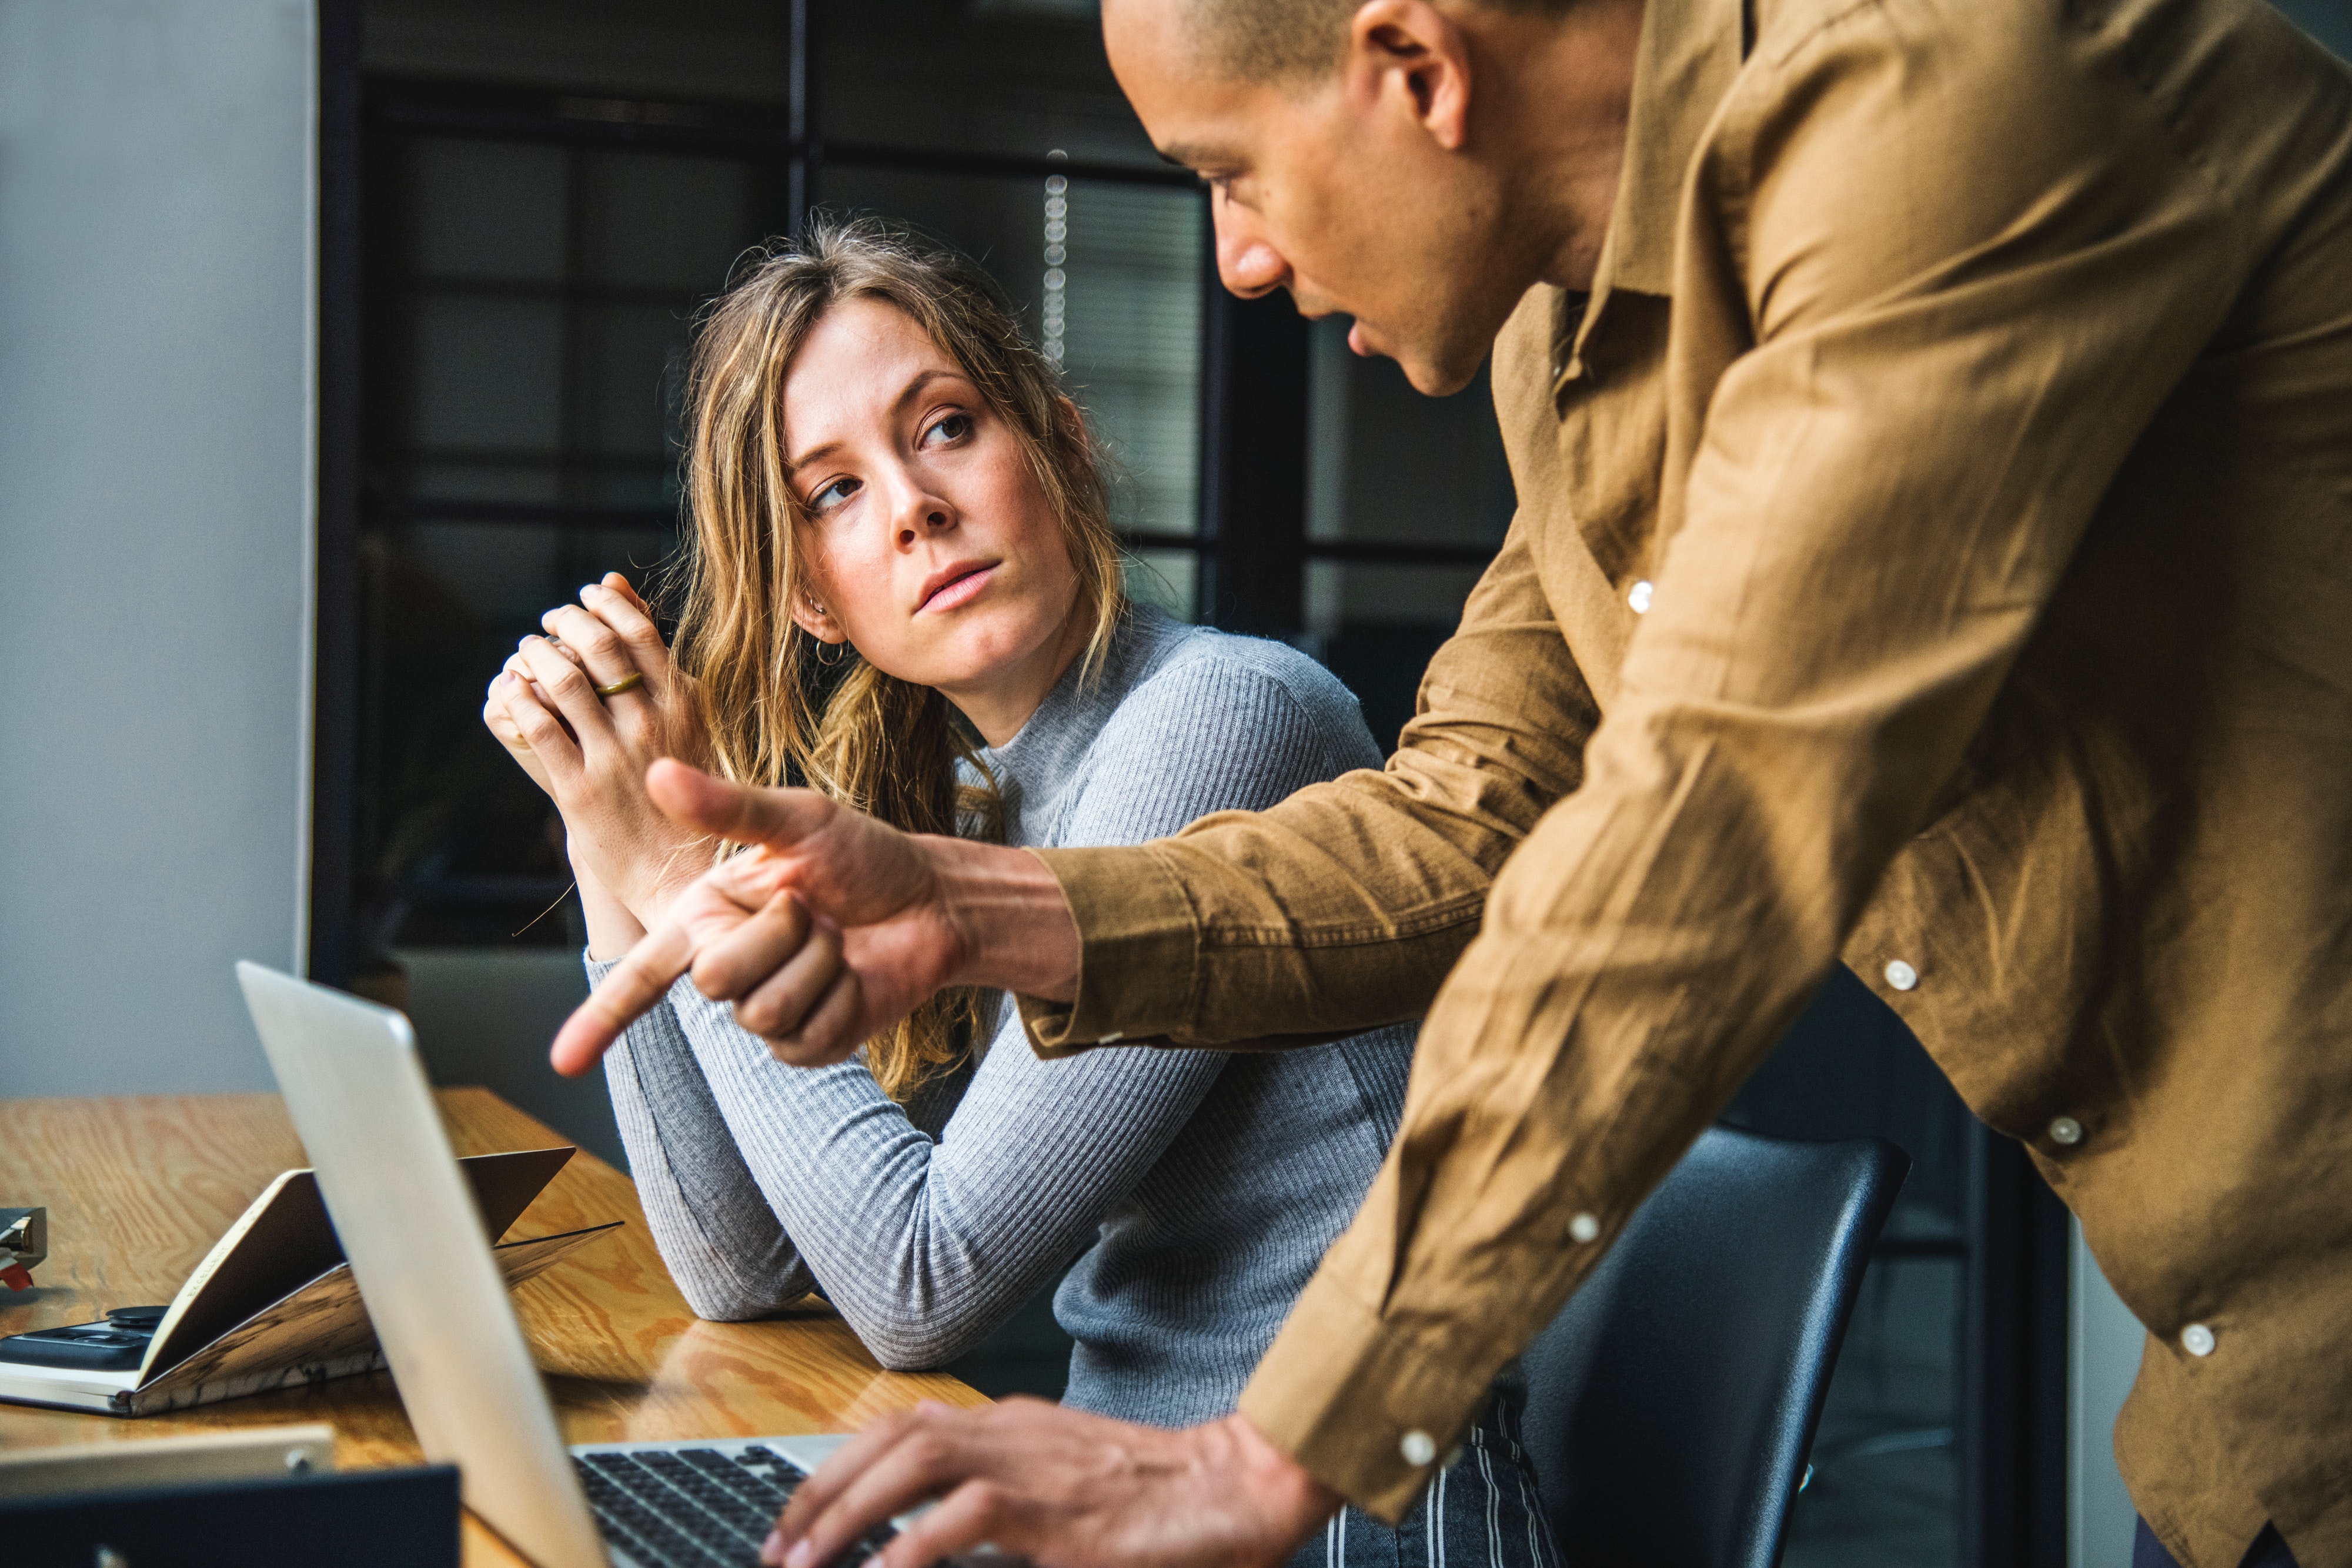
(925,515)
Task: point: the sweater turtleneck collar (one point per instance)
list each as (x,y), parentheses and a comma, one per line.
(1048,748)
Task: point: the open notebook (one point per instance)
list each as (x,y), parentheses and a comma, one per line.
(273,1304)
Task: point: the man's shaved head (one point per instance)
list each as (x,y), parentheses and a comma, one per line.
(1290,40)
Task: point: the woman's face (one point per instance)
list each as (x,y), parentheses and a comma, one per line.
(931,545)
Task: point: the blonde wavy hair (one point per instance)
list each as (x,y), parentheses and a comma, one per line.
(886,747)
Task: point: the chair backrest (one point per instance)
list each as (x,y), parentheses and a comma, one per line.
(1672,1403)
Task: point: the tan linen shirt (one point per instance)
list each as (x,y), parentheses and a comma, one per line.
(1966,395)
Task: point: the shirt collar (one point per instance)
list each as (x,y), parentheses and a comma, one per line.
(1690,51)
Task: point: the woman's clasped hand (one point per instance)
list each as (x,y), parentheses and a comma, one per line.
(585,710)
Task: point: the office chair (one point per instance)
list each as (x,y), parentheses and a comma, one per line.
(1672,1403)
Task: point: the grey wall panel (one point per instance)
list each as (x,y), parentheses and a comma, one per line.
(155,255)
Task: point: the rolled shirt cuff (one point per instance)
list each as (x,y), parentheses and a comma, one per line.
(1138,958)
(1368,1409)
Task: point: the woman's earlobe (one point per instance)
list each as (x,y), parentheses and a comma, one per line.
(817,622)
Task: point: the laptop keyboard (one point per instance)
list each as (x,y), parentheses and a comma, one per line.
(693,1508)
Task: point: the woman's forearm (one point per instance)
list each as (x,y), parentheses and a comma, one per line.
(924,1246)
(611,929)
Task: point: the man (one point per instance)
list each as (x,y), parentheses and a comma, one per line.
(1933,428)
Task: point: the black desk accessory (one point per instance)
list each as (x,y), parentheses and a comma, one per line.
(355,1519)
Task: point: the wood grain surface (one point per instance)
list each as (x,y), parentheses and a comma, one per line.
(138,1188)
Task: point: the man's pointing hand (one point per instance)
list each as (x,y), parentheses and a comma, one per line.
(831,927)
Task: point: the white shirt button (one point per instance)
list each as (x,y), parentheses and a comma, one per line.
(2066,1130)
(2196,1340)
(1585,1228)
(1638,596)
(1902,976)
(1418,1447)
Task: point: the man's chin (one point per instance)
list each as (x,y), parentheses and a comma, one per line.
(1439,376)
(1435,369)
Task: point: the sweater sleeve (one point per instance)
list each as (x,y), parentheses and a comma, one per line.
(721,1241)
(926,1246)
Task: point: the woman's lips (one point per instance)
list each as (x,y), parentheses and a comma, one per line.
(961,590)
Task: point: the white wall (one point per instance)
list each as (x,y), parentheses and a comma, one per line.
(155,265)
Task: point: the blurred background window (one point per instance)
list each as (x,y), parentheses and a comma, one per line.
(527,203)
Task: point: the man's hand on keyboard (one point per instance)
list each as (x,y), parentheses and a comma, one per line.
(1061,1487)
(832,927)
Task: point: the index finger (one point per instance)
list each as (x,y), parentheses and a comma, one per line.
(840,1468)
(627,992)
(812,1512)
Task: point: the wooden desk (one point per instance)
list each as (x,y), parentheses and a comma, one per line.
(139,1190)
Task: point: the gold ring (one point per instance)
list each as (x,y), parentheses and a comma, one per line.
(627,683)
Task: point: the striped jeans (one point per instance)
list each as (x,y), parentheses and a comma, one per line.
(1482,1512)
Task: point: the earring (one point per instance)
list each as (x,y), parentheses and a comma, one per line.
(840,651)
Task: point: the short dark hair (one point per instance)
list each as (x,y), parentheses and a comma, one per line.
(1285,40)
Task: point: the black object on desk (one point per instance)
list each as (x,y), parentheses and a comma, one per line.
(118,1344)
(357,1518)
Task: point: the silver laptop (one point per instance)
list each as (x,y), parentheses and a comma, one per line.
(352,1080)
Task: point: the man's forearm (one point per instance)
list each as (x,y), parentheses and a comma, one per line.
(1012,928)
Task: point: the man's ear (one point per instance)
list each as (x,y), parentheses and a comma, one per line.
(1411,50)
(817,621)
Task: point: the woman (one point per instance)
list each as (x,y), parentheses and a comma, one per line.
(887,485)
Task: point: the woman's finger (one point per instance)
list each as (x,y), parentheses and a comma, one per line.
(542,733)
(499,721)
(568,686)
(617,605)
(603,653)
(620,585)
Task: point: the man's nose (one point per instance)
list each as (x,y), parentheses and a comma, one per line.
(1247,262)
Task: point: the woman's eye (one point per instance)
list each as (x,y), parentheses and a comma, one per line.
(833,495)
(954,427)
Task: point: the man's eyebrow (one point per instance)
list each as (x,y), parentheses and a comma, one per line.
(1185,155)
(914,389)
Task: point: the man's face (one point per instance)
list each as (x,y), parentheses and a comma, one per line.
(1337,190)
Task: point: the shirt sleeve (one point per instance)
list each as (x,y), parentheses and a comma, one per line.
(1342,907)
(1972,262)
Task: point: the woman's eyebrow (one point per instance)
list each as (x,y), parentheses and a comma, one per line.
(914,390)
(923,379)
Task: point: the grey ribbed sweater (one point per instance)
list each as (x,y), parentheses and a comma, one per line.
(1208,1184)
